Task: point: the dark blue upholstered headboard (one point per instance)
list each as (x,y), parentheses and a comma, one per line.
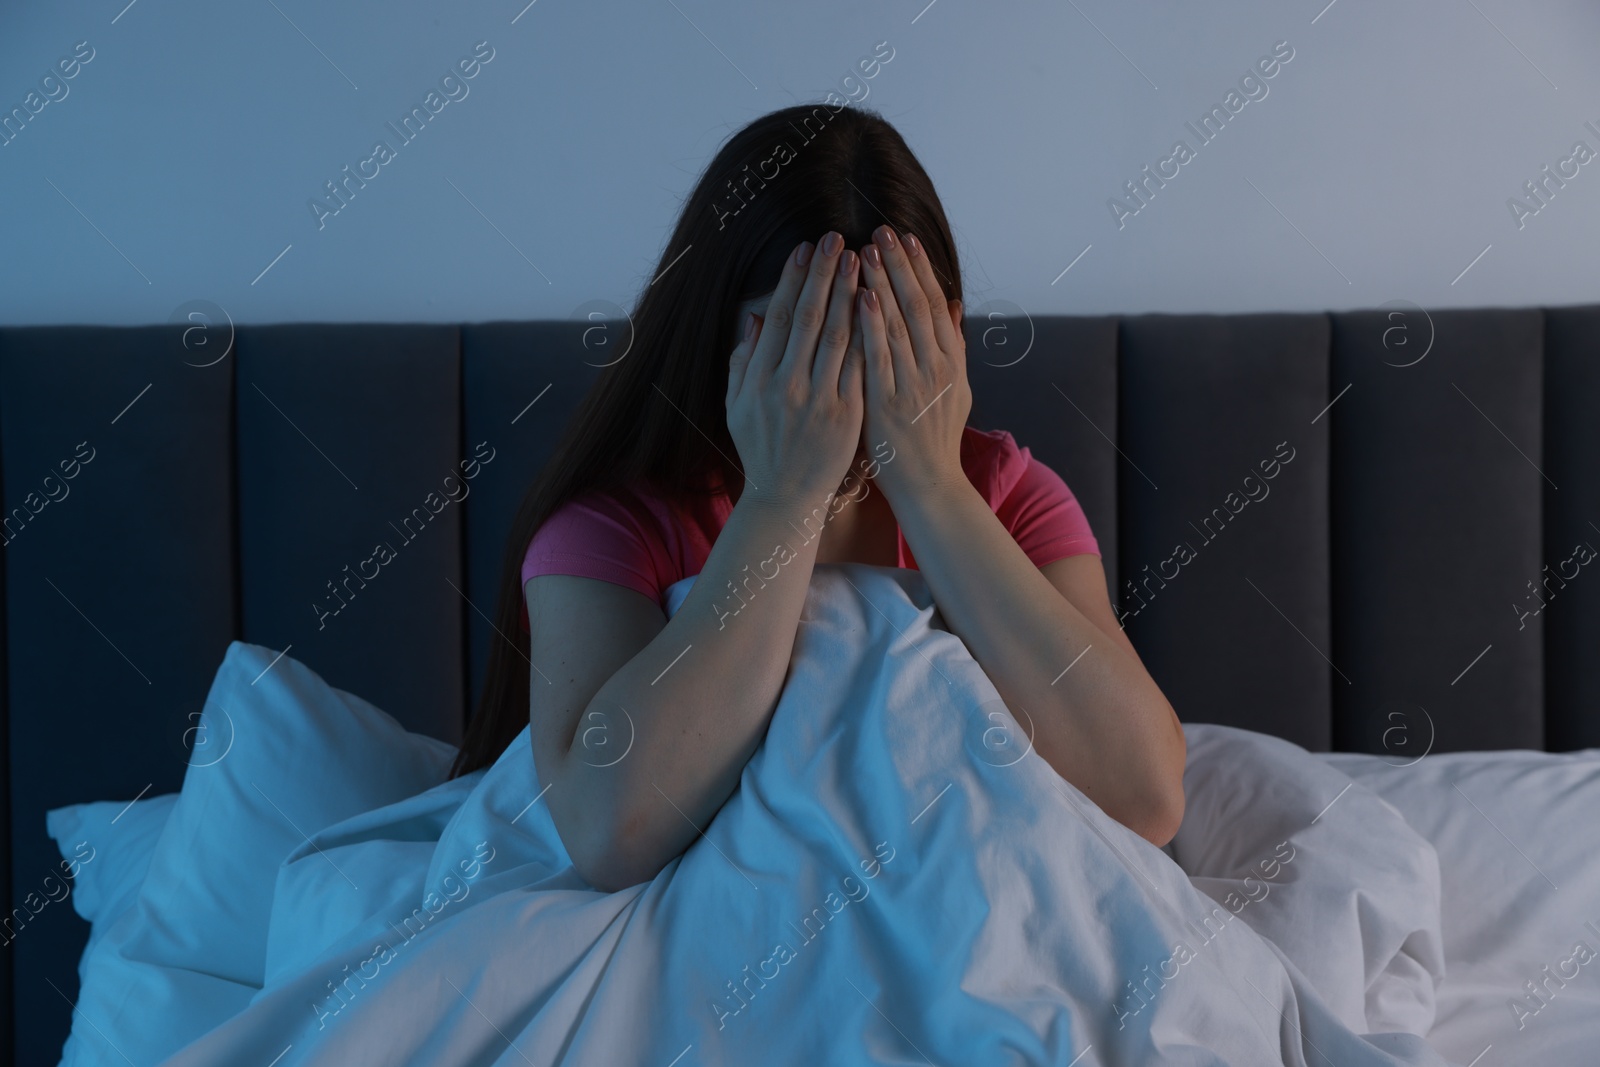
(1376,594)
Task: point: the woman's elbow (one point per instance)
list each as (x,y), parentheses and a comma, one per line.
(1159,810)
(1155,816)
(608,873)
(1161,821)
(1163,812)
(608,855)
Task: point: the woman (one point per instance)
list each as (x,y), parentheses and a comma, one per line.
(685,460)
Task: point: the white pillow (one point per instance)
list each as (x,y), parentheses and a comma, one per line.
(1519,852)
(111,843)
(191,950)
(130,1011)
(1322,867)
(118,839)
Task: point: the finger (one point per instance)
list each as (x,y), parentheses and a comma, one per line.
(835,337)
(898,337)
(739,361)
(811,309)
(948,331)
(879,360)
(779,318)
(957,309)
(853,376)
(912,302)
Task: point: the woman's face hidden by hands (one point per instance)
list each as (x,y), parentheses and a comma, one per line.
(757,305)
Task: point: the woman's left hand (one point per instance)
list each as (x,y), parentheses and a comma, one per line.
(917,396)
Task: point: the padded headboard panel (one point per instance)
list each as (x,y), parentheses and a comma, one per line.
(1305,535)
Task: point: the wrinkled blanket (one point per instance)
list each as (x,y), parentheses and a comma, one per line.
(897,879)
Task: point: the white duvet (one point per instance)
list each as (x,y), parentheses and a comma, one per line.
(897,879)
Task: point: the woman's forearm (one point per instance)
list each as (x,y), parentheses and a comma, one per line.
(695,701)
(1103,724)
(1099,720)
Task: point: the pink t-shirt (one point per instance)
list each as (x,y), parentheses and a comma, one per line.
(646,542)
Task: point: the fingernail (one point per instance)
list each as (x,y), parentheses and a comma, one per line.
(831,242)
(802,255)
(872,301)
(749,324)
(913,245)
(847,263)
(870,254)
(884,236)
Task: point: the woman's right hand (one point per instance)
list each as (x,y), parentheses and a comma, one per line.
(795,393)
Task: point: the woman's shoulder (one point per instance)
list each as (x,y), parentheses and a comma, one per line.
(632,535)
(634,499)
(636,508)
(993,461)
(1031,499)
(635,516)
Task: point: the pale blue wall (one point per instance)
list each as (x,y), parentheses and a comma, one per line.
(197,134)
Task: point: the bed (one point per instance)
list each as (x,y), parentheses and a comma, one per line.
(1408,599)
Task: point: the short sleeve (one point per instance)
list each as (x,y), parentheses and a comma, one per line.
(1044,517)
(598,536)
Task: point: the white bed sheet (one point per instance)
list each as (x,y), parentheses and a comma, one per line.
(1517,834)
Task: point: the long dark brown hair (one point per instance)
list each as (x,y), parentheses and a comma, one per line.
(787,177)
